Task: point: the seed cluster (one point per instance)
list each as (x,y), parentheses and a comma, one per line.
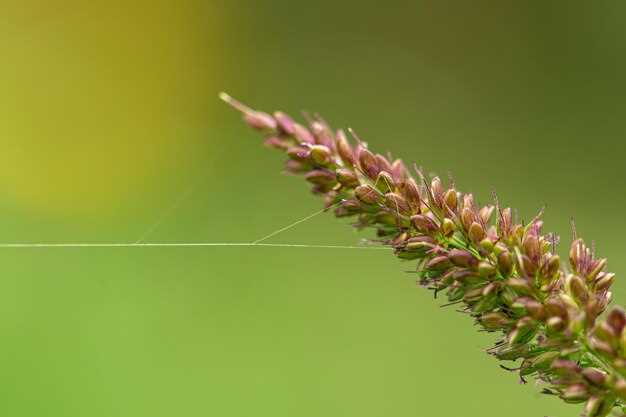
(506,275)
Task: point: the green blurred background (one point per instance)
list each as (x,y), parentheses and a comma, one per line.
(109,119)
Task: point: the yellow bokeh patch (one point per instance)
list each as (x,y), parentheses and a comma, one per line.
(94,97)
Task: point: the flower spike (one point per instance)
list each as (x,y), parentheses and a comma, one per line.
(507,275)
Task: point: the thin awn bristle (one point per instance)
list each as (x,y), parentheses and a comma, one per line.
(234,103)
